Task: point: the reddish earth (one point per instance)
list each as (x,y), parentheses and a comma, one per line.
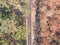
(49,22)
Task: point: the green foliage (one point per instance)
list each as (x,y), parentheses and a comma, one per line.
(24,5)
(25,8)
(10,25)
(6,28)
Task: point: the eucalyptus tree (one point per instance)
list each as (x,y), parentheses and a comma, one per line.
(12,30)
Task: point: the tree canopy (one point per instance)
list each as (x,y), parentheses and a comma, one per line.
(12,15)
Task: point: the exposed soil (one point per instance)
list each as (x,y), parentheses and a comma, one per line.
(49,12)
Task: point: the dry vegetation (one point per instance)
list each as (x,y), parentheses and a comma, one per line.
(50,22)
